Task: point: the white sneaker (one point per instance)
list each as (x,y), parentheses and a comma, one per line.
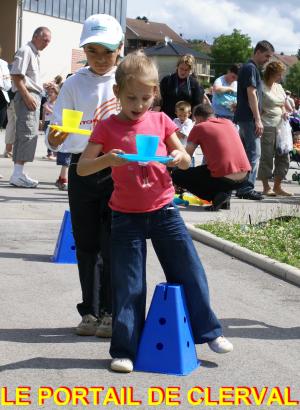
(121,365)
(87,326)
(23,181)
(104,328)
(221,345)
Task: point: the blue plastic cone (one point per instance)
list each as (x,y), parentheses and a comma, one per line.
(167,344)
(65,251)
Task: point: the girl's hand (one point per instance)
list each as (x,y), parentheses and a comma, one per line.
(285,115)
(48,110)
(114,159)
(178,158)
(181,158)
(56,138)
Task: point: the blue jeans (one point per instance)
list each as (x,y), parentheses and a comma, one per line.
(63,158)
(253,149)
(180,262)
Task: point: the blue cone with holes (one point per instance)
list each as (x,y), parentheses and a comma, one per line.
(65,251)
(167,344)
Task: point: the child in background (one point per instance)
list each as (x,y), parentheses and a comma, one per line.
(183,111)
(142,208)
(296,142)
(296,146)
(90,90)
(63,159)
(52,93)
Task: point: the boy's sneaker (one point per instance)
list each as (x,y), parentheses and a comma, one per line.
(7,154)
(87,326)
(23,181)
(104,328)
(49,157)
(62,184)
(121,365)
(221,345)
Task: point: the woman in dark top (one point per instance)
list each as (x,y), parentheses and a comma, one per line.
(180,86)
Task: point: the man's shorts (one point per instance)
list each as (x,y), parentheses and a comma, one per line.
(27,129)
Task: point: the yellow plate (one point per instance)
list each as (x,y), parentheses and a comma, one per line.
(70,130)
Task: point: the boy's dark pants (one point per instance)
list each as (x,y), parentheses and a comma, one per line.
(91,223)
(198,181)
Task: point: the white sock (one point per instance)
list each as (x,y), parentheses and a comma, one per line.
(18,170)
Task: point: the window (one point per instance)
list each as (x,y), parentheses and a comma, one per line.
(82,7)
(95,6)
(77,10)
(49,7)
(70,7)
(101,6)
(63,9)
(34,5)
(89,7)
(42,6)
(55,9)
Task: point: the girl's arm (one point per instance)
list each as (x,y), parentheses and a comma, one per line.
(181,159)
(47,109)
(90,162)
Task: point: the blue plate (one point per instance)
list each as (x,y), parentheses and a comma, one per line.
(140,158)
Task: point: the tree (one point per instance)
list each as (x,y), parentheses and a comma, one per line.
(230,49)
(298,54)
(200,45)
(292,80)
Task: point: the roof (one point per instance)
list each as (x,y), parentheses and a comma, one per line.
(201,45)
(149,30)
(173,49)
(287,60)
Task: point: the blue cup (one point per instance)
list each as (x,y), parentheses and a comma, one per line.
(146,145)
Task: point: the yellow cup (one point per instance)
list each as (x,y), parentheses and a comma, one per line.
(71,118)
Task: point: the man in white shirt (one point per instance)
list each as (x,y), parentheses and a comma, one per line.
(25,73)
(5,85)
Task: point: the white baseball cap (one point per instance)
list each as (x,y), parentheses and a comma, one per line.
(102,29)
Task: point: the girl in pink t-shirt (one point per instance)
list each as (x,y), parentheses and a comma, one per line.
(143,208)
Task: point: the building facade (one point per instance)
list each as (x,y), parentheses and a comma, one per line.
(166,56)
(19,19)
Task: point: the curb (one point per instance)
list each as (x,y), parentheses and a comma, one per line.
(282,270)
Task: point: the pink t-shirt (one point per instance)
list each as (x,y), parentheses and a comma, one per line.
(137,187)
(221,145)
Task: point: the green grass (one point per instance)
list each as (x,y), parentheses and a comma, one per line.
(277,238)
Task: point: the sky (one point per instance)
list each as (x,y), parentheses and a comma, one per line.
(277,21)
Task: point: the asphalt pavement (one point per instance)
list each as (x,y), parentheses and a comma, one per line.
(38,347)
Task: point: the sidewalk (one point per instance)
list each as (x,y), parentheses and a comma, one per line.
(37,342)
(48,203)
(46,172)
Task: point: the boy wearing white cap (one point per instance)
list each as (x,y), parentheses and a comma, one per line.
(90,90)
